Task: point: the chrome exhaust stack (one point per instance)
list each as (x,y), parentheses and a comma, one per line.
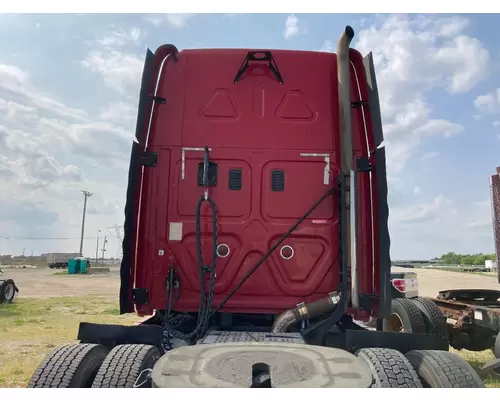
(347,164)
(305,312)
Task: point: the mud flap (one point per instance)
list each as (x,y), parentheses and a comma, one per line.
(126,283)
(402,342)
(383,233)
(373,99)
(114,335)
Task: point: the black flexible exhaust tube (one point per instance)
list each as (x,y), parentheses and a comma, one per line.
(304,312)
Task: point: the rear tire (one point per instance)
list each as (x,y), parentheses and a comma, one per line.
(405,317)
(8,291)
(441,369)
(124,364)
(435,321)
(69,366)
(390,369)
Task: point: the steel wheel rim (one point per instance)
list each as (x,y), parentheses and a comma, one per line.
(395,324)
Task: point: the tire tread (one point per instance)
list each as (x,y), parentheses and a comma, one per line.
(390,368)
(434,319)
(417,323)
(60,367)
(122,366)
(445,369)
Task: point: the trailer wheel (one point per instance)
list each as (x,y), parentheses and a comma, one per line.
(125,364)
(390,369)
(405,317)
(8,291)
(69,366)
(442,369)
(435,321)
(496,348)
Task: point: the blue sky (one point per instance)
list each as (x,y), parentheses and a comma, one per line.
(68,92)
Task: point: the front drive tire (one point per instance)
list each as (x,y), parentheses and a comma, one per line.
(390,368)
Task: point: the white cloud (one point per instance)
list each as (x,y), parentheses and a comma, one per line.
(411,57)
(48,152)
(291,27)
(438,226)
(120,71)
(119,113)
(436,209)
(294,27)
(467,70)
(121,37)
(488,103)
(328,47)
(16,83)
(453,26)
(174,20)
(429,156)
(414,56)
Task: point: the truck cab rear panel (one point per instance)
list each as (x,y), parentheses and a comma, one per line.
(275,150)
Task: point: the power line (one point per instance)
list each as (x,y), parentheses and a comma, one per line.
(44,238)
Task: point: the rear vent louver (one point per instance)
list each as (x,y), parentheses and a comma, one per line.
(235,179)
(278,181)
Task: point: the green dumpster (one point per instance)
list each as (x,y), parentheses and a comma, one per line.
(73,266)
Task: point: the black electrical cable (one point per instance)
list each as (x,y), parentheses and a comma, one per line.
(266,256)
(206,299)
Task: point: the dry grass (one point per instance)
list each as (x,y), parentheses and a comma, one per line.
(31,328)
(477,359)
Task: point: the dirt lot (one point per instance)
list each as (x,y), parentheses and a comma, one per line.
(431,281)
(46,282)
(51,305)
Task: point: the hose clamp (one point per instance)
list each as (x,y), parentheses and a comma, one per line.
(334,297)
(302,309)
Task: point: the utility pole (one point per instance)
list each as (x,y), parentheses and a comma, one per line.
(86,194)
(103,249)
(97,248)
